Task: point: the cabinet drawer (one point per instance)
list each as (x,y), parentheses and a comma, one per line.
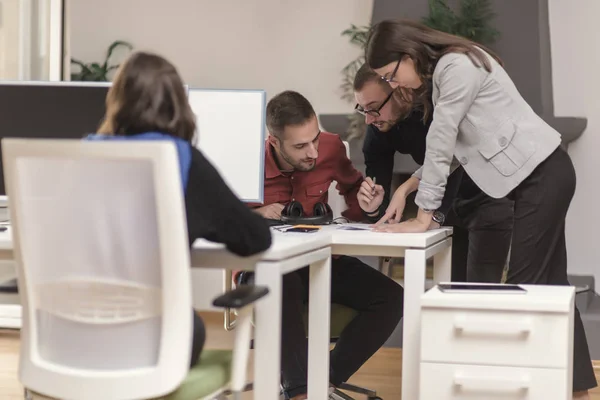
(510,338)
(474,382)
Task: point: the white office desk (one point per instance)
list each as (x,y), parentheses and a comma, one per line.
(289,252)
(416,248)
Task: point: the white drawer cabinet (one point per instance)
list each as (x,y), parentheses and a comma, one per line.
(475,382)
(506,346)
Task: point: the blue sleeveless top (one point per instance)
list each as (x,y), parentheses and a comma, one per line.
(184,149)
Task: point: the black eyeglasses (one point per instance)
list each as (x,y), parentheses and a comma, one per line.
(373,113)
(391,78)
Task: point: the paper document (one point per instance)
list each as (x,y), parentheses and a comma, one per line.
(355,227)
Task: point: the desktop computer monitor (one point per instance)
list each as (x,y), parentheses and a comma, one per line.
(62,110)
(231,124)
(231,134)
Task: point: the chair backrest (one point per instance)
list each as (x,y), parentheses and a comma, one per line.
(100,240)
(335,200)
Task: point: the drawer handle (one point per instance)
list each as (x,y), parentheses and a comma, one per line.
(494,384)
(496,326)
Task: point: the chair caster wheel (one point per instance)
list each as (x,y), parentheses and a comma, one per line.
(374,398)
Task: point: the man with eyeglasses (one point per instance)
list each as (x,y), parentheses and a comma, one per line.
(482,225)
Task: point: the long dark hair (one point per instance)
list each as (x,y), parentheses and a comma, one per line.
(392,40)
(148,95)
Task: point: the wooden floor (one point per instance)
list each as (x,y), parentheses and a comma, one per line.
(382,372)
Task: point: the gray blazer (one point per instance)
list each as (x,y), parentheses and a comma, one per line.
(480,121)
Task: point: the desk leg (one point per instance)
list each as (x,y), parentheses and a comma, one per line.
(318,329)
(414,286)
(267,335)
(442,264)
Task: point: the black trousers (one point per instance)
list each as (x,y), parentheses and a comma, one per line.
(198,338)
(482,231)
(378,300)
(539,251)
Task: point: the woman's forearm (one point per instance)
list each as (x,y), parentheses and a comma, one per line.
(411,185)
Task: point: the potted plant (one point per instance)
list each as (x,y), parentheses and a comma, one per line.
(98,71)
(473,21)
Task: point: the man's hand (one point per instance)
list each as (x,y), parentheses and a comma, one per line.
(272,211)
(370,196)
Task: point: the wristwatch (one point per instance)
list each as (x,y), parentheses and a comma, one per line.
(438,217)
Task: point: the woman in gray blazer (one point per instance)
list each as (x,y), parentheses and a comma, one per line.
(481,121)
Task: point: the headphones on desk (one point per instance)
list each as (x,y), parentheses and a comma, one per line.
(293,214)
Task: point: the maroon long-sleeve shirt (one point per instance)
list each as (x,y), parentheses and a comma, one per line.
(310,187)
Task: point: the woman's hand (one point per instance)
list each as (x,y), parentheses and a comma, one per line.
(433,226)
(421,224)
(393,213)
(413,225)
(395,209)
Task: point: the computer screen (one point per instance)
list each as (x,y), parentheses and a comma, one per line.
(231,134)
(230,123)
(63,110)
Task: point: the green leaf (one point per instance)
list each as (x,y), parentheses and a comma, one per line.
(114,45)
(85,69)
(358,34)
(476,19)
(441,16)
(97,71)
(472,22)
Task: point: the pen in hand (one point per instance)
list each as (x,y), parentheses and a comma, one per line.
(373,187)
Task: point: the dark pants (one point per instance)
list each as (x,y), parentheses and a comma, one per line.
(378,300)
(539,251)
(482,231)
(198,338)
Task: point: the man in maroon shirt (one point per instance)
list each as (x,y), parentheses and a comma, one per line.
(301,162)
(302,166)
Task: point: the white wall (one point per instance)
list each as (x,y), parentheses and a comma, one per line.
(9,39)
(260,44)
(30,39)
(575,39)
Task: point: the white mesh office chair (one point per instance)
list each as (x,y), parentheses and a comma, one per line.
(335,200)
(100,240)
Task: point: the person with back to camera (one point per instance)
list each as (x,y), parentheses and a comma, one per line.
(147,101)
(481,119)
(482,225)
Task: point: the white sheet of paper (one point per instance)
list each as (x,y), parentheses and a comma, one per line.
(355,227)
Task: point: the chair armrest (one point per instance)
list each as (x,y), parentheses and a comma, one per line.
(241,296)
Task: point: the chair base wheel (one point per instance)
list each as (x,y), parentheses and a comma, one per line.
(374,398)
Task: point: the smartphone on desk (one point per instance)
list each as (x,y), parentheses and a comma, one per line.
(488,289)
(303,228)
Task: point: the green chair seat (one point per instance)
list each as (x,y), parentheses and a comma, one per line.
(340,317)
(211,373)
